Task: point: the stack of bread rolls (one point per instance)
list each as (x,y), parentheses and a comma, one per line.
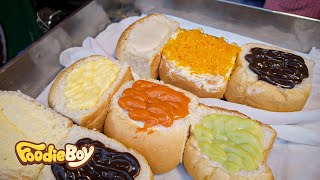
(209,67)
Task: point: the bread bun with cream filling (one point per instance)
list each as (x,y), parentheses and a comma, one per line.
(228,145)
(276,89)
(83,91)
(160,143)
(197,62)
(140,44)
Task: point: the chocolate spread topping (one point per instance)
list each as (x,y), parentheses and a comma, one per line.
(276,67)
(106,163)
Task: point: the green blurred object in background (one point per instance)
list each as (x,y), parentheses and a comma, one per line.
(18,21)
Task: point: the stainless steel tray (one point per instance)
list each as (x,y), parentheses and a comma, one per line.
(36,67)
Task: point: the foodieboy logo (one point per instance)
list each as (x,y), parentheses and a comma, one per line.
(29,153)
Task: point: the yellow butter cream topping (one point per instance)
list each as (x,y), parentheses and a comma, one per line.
(86,83)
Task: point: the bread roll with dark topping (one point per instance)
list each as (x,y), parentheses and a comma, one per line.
(282,85)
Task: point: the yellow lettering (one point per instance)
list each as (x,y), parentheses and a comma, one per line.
(23,151)
(47,157)
(38,156)
(60,156)
(54,155)
(30,156)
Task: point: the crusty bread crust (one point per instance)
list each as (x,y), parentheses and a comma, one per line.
(245,88)
(153,61)
(162,147)
(170,76)
(94,119)
(199,167)
(154,66)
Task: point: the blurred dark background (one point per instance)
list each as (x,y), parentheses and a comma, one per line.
(22,22)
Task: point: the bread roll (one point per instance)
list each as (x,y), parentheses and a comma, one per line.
(85,85)
(24,119)
(200,166)
(161,146)
(197,62)
(77,133)
(244,87)
(140,44)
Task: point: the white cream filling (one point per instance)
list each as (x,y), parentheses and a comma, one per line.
(202,81)
(148,35)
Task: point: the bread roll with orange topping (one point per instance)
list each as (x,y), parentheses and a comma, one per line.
(270,78)
(198,63)
(140,44)
(83,91)
(152,121)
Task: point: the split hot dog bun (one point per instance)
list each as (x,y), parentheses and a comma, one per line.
(161,146)
(24,119)
(140,44)
(201,165)
(246,87)
(198,62)
(83,91)
(77,133)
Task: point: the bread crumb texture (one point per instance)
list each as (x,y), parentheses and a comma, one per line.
(201,53)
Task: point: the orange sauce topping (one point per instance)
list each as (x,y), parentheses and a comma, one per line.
(154,104)
(202,53)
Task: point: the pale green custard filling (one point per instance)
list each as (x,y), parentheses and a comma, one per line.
(234,142)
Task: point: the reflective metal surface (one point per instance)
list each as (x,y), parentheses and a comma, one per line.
(288,31)
(35,68)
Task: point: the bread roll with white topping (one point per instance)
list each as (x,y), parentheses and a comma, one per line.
(140,44)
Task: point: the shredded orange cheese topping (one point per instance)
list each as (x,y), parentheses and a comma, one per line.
(201,53)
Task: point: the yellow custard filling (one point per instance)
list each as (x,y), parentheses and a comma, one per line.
(86,83)
(201,53)
(234,142)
